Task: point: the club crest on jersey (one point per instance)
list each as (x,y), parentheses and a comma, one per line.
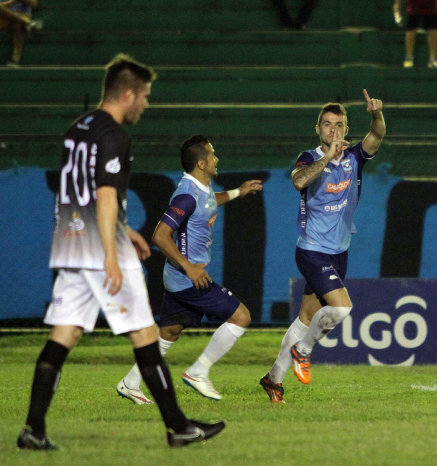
(347,167)
(113,166)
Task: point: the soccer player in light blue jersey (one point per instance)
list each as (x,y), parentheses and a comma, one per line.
(185,235)
(329,180)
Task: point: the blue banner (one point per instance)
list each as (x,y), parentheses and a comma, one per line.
(393,322)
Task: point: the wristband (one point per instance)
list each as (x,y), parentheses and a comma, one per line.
(233,193)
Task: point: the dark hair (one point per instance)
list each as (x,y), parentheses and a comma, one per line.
(335,108)
(192,150)
(122,73)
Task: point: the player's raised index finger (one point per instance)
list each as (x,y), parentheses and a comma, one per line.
(366,95)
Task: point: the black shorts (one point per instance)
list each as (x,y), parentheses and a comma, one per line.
(322,272)
(187,307)
(423,21)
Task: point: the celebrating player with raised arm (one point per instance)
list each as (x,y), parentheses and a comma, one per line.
(329,180)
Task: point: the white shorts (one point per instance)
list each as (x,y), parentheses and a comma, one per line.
(78,295)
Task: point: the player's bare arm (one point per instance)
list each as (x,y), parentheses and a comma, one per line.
(248,187)
(140,244)
(107,212)
(374,137)
(304,176)
(163,238)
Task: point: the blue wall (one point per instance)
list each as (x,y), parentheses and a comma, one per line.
(27,204)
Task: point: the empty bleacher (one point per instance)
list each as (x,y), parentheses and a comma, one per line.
(226,68)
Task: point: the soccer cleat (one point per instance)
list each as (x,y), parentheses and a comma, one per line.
(28,440)
(301,365)
(408,63)
(194,432)
(136,396)
(203,385)
(274,390)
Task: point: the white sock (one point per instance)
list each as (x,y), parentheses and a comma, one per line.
(133,378)
(164,346)
(295,333)
(221,342)
(324,320)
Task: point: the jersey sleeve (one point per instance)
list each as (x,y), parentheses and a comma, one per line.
(360,154)
(303,160)
(179,210)
(113,149)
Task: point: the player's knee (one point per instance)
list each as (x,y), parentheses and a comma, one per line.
(171,332)
(334,316)
(241,317)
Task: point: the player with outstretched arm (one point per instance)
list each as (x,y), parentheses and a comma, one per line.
(185,236)
(329,180)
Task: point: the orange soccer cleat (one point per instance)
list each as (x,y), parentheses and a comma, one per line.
(301,365)
(274,390)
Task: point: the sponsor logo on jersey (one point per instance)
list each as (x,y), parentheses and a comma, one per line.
(183,243)
(212,221)
(336,188)
(335,207)
(113,166)
(178,211)
(76,227)
(333,277)
(347,167)
(327,170)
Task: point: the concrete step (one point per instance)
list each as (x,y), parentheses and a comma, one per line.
(225,84)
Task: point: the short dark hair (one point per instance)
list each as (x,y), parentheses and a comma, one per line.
(332,107)
(192,150)
(122,73)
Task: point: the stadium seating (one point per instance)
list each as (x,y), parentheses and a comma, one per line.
(226,68)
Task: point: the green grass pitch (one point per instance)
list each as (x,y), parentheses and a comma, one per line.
(348,415)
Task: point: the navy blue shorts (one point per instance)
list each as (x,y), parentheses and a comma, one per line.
(187,307)
(323,272)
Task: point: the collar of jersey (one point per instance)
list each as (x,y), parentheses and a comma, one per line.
(196,182)
(335,162)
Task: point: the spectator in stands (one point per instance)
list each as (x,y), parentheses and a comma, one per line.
(303,15)
(420,13)
(16,16)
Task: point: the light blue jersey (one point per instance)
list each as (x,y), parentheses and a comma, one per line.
(191,215)
(327,206)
